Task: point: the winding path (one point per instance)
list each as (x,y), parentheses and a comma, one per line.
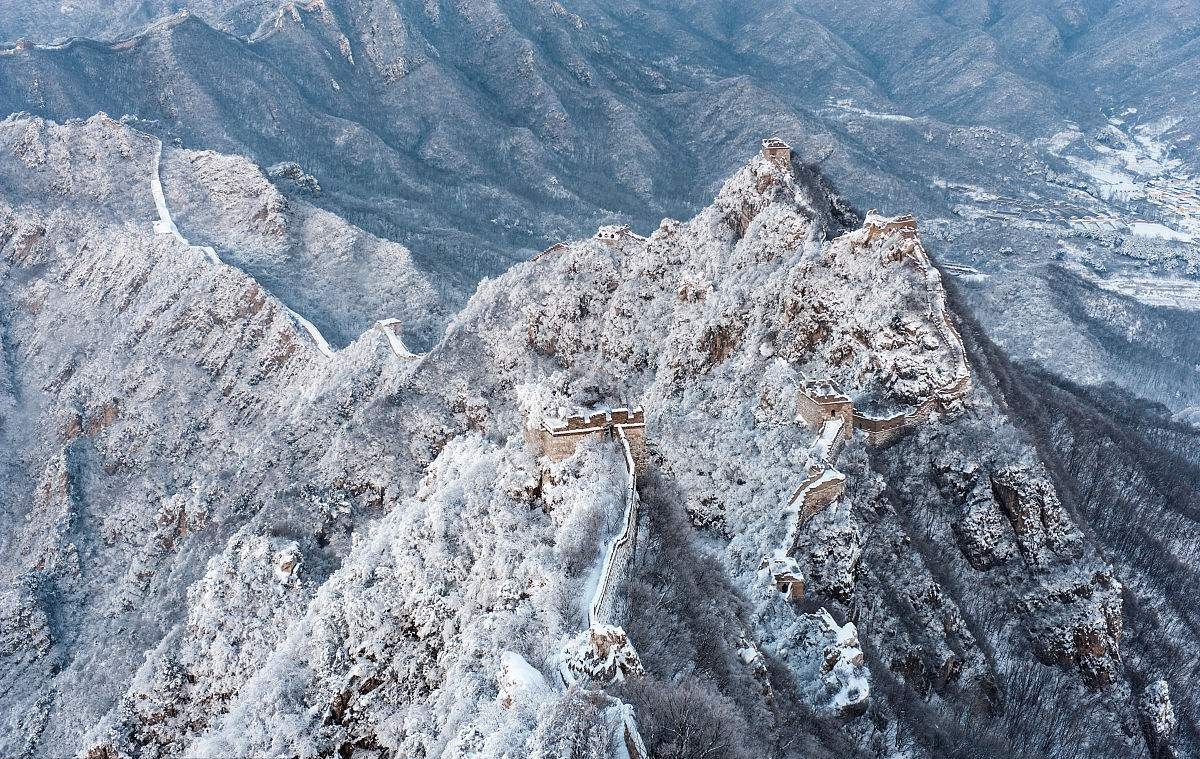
(165,225)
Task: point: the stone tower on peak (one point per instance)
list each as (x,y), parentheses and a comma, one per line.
(777,151)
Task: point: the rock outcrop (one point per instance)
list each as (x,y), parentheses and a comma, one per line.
(226,540)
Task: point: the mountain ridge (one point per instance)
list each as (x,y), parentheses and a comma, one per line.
(341,549)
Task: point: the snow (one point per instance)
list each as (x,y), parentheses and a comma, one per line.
(847,675)
(313,332)
(849,107)
(830,431)
(618,545)
(519,678)
(828,476)
(1155,291)
(165,225)
(625,725)
(1060,141)
(1158,231)
(391,330)
(476,562)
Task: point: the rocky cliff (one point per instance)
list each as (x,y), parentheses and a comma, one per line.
(221,539)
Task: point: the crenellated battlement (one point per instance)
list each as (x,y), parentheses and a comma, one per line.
(818,401)
(559,438)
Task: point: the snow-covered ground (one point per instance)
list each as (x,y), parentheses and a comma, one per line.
(1154,291)
(1133,187)
(288,556)
(165,225)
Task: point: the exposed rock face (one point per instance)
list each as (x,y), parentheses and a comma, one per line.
(139,382)
(1158,716)
(280,551)
(1042,530)
(241,608)
(602,654)
(1076,621)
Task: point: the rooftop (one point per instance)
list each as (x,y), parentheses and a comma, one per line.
(822,390)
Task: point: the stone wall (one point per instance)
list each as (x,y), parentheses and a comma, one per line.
(558,439)
(778,152)
(813,498)
(880,226)
(816,406)
(555,248)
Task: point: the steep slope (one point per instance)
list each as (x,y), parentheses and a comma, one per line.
(477,134)
(154,402)
(367,553)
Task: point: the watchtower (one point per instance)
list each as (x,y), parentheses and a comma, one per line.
(559,437)
(777,151)
(785,575)
(877,225)
(818,401)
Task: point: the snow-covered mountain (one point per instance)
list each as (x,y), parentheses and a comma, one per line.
(1047,146)
(240,520)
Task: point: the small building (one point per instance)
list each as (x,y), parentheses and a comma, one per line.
(777,151)
(818,401)
(558,438)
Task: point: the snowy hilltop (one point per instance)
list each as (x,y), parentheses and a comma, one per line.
(743,486)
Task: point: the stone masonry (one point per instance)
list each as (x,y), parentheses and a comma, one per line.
(818,401)
(777,151)
(558,438)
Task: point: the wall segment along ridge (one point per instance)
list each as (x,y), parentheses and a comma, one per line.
(824,484)
(165,225)
(620,548)
(885,429)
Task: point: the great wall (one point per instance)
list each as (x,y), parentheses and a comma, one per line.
(603,652)
(821,406)
(165,225)
(391,330)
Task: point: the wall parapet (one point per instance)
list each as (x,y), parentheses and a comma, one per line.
(555,248)
(558,438)
(591,654)
(878,225)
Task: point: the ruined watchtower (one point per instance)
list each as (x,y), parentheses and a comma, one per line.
(613,234)
(785,574)
(877,225)
(777,151)
(558,438)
